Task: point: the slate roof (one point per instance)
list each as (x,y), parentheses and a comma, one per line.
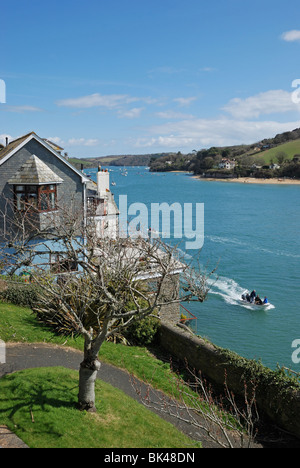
(14,144)
(53,145)
(35,172)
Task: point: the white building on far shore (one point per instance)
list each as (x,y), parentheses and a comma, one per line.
(227,164)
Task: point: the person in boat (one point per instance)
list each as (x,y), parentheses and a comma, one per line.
(258,300)
(246,297)
(253,296)
(266,300)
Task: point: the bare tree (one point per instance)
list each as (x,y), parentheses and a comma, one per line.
(94,287)
(220,418)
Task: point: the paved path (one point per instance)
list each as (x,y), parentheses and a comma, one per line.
(9,440)
(24,356)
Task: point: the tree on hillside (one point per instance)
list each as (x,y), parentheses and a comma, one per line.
(226,153)
(281,157)
(94,287)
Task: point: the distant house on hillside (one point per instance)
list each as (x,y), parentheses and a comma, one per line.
(274,166)
(226,164)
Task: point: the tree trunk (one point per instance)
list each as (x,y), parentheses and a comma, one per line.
(88,374)
(88,370)
(87,378)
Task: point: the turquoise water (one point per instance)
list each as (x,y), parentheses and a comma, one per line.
(252,234)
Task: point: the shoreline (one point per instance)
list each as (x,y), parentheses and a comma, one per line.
(251,180)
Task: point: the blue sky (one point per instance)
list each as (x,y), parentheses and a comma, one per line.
(103,77)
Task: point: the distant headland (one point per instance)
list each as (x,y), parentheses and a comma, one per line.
(272,160)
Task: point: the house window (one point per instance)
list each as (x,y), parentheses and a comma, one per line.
(60,263)
(26,195)
(47,197)
(39,197)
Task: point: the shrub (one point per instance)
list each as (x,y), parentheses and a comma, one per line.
(142,332)
(24,296)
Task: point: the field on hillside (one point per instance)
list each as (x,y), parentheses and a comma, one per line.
(290,149)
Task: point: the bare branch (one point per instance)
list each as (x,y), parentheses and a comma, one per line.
(224,422)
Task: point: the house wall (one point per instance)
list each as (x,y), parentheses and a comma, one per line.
(169,313)
(70,192)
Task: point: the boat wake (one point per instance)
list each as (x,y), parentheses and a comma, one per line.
(231,292)
(250,247)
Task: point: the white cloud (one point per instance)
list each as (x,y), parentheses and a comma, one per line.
(82,142)
(291,36)
(170,141)
(22,109)
(170,114)
(199,133)
(207,69)
(131,113)
(3,138)
(181,131)
(109,101)
(185,101)
(269,102)
(57,140)
(167,70)
(74,141)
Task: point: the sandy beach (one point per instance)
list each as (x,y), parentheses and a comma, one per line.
(252,180)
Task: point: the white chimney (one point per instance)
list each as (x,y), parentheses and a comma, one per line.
(102,181)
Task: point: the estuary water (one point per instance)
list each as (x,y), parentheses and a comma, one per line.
(251,233)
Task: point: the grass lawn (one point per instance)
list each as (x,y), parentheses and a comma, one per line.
(19,325)
(51,393)
(39,406)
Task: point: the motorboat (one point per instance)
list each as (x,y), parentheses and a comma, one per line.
(245,299)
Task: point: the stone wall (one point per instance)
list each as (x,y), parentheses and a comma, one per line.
(169,313)
(275,397)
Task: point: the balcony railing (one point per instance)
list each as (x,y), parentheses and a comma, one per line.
(189,319)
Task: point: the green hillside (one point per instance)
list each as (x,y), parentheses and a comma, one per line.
(253,160)
(117,160)
(78,163)
(289,149)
